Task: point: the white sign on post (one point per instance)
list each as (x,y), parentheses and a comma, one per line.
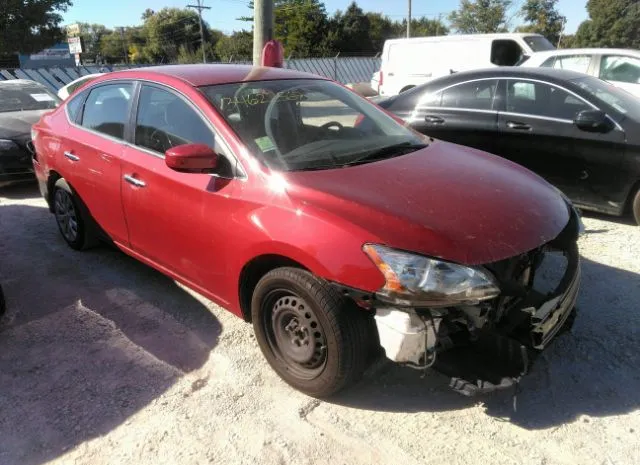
(75,46)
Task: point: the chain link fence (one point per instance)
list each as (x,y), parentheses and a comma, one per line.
(342,69)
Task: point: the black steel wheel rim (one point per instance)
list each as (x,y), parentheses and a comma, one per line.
(294,334)
(66,215)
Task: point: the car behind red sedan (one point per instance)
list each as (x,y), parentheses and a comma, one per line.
(303,208)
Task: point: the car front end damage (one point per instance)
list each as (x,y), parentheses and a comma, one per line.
(487,326)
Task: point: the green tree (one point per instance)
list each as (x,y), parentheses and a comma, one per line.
(542,17)
(30,26)
(237,47)
(422,27)
(381,28)
(480,16)
(567,41)
(170,29)
(350,32)
(92,35)
(611,23)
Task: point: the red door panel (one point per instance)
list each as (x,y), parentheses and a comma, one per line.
(96,178)
(181,221)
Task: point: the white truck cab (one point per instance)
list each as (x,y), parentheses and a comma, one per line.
(407,63)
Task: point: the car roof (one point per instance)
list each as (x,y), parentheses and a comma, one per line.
(211,74)
(552,74)
(592,51)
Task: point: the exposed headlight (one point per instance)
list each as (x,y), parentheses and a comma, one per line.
(6,144)
(420,281)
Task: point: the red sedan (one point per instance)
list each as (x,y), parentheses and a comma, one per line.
(309,211)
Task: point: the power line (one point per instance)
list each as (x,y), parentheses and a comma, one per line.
(201,7)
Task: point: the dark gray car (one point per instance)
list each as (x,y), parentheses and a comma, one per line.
(22,103)
(580,133)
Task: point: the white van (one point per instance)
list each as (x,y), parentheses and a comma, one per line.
(407,63)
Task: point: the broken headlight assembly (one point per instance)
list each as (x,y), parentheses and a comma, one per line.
(415,280)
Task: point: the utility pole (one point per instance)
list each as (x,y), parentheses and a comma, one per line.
(409,21)
(201,7)
(124,46)
(262,27)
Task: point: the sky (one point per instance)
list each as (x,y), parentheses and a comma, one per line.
(223,13)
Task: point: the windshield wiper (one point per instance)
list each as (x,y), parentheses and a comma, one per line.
(387,152)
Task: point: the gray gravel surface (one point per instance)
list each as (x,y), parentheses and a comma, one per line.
(106,361)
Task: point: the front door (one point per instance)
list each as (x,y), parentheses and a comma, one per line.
(95,150)
(179,221)
(537,131)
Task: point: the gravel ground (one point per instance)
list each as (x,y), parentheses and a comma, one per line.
(105,361)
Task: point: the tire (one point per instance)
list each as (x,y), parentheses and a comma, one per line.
(635,207)
(72,217)
(3,305)
(311,336)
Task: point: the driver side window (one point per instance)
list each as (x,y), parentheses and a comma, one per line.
(165,120)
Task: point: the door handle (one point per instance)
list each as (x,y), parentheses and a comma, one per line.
(518,126)
(71,156)
(583,175)
(434,119)
(390,74)
(135,181)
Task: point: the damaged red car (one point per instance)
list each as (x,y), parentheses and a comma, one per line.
(307,210)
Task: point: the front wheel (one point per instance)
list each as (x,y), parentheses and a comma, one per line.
(635,207)
(308,333)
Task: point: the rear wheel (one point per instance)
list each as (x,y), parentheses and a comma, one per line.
(72,218)
(308,333)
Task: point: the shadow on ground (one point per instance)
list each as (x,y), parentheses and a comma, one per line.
(88,339)
(594,370)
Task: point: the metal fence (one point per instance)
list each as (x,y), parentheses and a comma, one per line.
(342,69)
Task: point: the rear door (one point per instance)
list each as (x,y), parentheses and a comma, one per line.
(537,131)
(463,114)
(96,145)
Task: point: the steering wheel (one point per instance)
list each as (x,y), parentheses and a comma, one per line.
(332,124)
(160,139)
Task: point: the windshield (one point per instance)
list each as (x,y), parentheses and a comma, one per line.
(611,95)
(306,124)
(25,97)
(538,43)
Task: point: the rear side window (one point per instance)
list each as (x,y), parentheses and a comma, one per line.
(477,95)
(620,69)
(165,120)
(74,106)
(107,109)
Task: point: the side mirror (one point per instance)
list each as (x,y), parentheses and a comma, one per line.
(191,158)
(593,121)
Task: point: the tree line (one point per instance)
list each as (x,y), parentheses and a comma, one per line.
(172,35)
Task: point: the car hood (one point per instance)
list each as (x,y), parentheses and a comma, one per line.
(445,201)
(18,123)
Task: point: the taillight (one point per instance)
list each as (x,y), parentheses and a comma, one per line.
(380,80)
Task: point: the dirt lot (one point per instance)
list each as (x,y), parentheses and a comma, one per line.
(105,361)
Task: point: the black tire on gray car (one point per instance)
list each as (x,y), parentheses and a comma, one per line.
(635,207)
(72,217)
(311,336)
